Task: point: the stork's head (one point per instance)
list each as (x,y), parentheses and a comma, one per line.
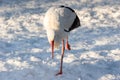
(51,35)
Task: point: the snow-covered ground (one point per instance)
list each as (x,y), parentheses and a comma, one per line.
(25,52)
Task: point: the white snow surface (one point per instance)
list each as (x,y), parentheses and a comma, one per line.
(25,53)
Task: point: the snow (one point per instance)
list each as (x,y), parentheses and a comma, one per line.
(25,53)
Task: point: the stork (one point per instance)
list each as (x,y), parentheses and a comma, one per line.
(58,22)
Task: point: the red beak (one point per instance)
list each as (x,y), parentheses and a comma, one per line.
(52,47)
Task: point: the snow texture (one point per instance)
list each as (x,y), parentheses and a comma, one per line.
(25,53)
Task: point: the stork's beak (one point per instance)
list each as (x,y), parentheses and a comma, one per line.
(52,47)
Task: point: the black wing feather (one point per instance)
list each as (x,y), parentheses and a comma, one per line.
(76,22)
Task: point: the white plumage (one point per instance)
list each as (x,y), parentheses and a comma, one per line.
(58,22)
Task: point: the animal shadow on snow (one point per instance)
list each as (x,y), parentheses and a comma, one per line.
(88,66)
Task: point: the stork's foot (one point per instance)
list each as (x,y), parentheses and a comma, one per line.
(59,73)
(68,46)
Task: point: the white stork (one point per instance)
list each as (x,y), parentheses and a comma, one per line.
(58,22)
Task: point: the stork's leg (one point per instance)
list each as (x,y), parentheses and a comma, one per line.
(67,45)
(63,49)
(52,47)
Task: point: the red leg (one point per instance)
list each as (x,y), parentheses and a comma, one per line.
(52,46)
(63,49)
(67,45)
